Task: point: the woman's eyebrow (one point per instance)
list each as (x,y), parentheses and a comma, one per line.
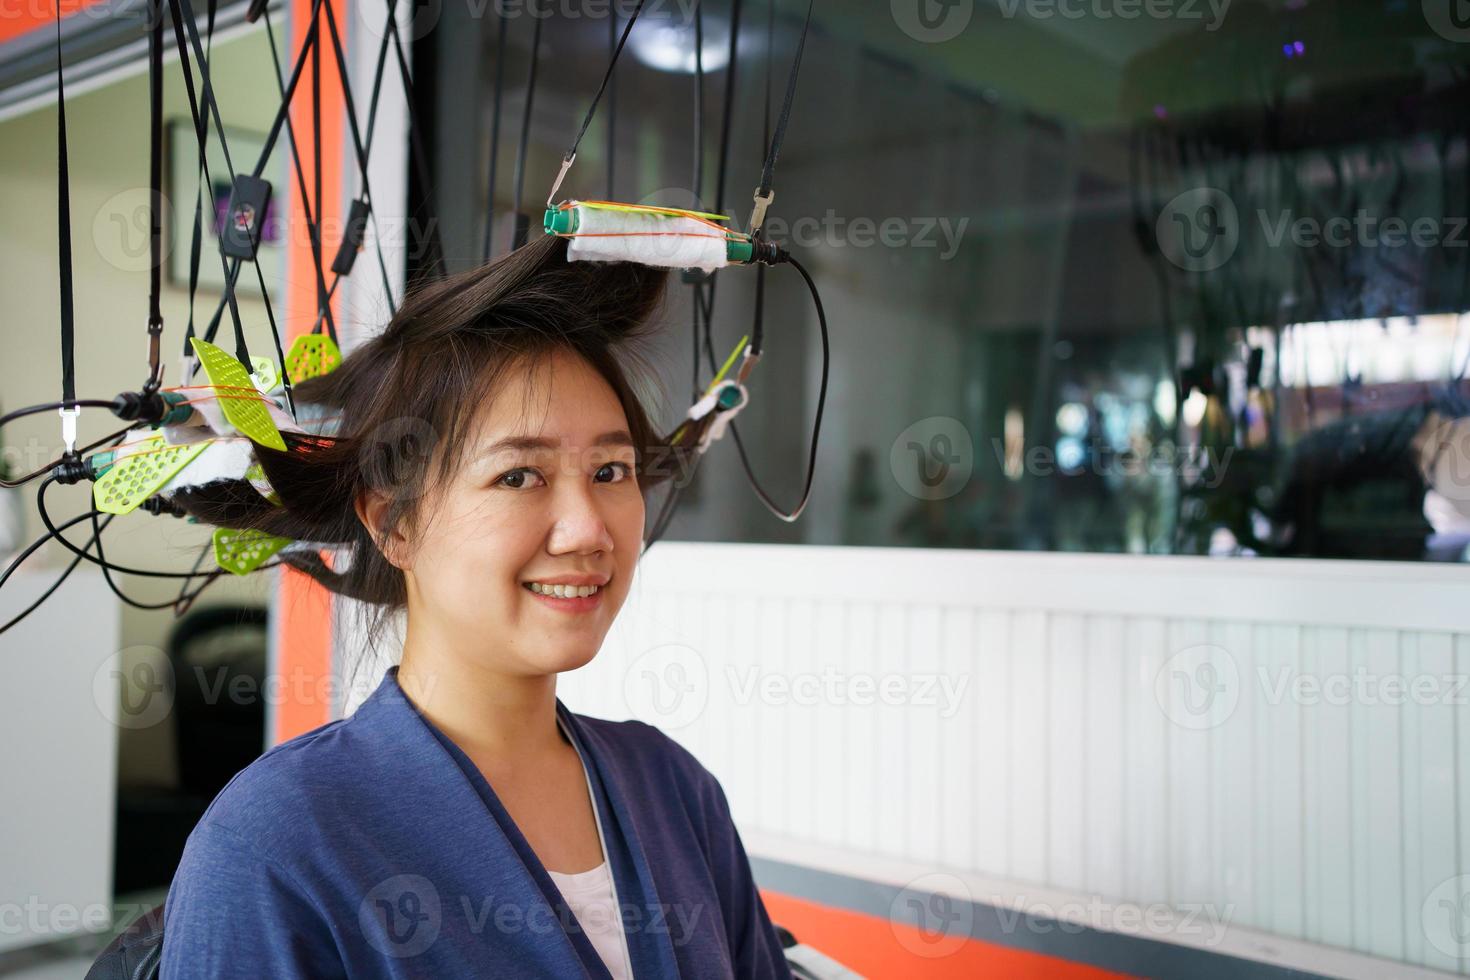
(617,437)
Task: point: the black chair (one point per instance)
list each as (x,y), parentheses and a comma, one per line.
(135,953)
(213,652)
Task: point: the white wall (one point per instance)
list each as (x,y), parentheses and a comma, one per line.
(1079,751)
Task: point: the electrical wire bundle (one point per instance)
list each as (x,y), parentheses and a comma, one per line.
(192,433)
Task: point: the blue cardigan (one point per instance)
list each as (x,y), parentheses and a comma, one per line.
(372,847)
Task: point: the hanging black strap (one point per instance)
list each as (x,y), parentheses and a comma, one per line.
(155,196)
(63,230)
(758,324)
(698,104)
(522,220)
(768,172)
(182,14)
(500,33)
(324,305)
(571,154)
(612,100)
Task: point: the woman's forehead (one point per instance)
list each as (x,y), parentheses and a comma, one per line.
(556,401)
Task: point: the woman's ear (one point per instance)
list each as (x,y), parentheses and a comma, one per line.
(372,508)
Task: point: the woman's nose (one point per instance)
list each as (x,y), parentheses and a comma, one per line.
(578,525)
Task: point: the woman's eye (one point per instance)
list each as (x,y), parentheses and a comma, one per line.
(616,468)
(517,479)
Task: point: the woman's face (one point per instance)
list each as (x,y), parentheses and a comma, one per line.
(547,496)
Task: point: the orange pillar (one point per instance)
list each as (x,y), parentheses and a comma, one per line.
(303,608)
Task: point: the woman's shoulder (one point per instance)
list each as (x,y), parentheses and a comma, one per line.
(290,786)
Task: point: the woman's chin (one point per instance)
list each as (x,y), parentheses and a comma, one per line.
(559,660)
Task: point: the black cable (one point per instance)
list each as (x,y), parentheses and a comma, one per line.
(11,484)
(107,568)
(768,172)
(63,233)
(522,226)
(357,144)
(606,77)
(65,574)
(155,198)
(612,99)
(53,406)
(46,520)
(324,306)
(183,16)
(420,157)
(816,426)
(19,559)
(494,130)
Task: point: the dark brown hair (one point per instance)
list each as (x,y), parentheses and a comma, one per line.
(415,389)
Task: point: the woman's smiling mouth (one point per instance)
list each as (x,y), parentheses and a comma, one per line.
(568,596)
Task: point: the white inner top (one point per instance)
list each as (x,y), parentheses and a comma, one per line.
(593,899)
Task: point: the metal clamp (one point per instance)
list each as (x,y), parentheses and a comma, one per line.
(758,213)
(566,164)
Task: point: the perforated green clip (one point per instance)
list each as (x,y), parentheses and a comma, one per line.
(242,552)
(257,479)
(265,376)
(241,403)
(135,478)
(311,355)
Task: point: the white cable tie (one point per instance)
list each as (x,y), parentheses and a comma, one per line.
(69,427)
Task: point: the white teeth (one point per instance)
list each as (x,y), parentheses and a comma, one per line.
(564,591)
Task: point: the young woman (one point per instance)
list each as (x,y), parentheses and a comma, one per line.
(487,476)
